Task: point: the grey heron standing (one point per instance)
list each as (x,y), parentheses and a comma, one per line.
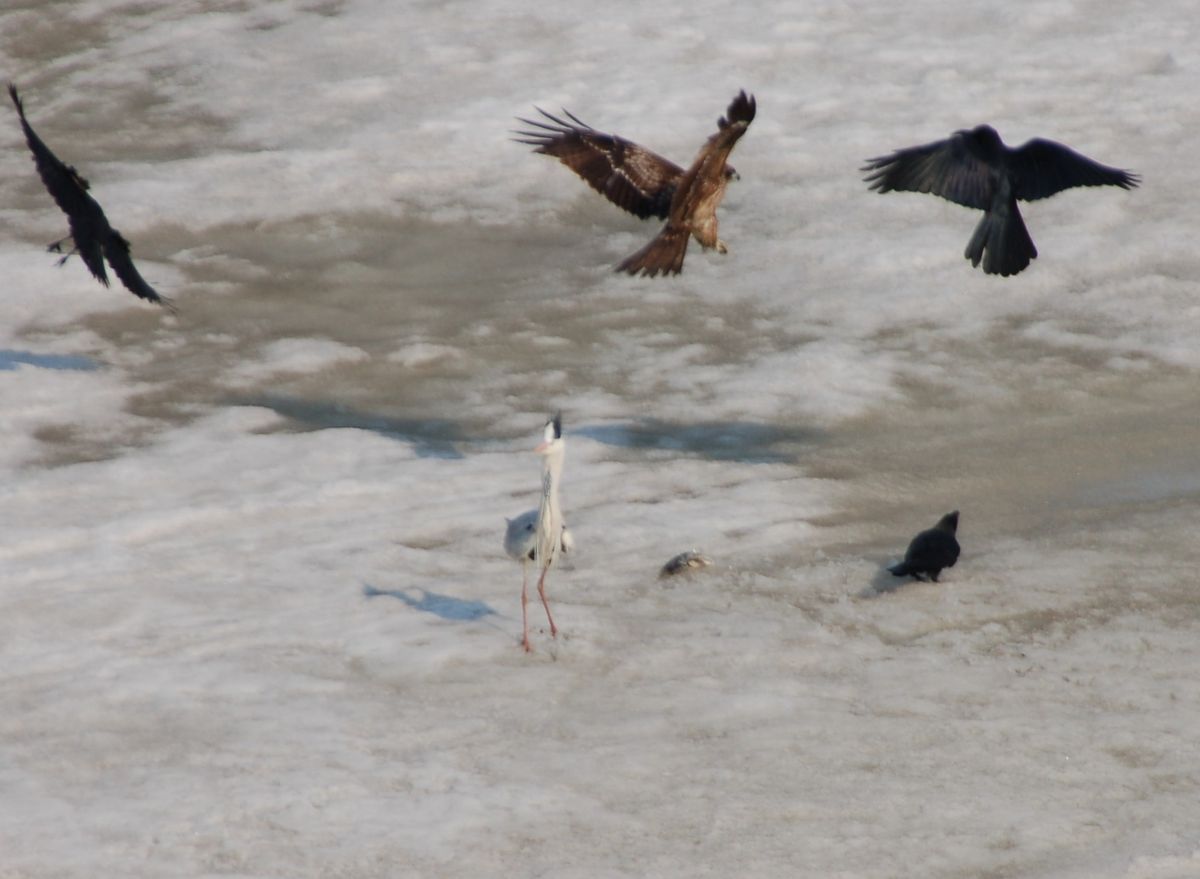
(549,533)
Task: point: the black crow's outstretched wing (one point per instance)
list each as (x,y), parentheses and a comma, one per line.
(94,238)
(116,248)
(68,189)
(632,177)
(951,168)
(1042,167)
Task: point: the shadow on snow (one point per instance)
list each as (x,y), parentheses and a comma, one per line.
(445,607)
(431,438)
(742,441)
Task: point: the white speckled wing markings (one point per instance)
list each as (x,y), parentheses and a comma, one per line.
(632,177)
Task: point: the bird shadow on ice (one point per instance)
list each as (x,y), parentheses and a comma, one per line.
(430,438)
(885,582)
(11,359)
(445,607)
(742,441)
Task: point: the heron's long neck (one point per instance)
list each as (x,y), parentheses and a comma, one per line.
(549,523)
(552,466)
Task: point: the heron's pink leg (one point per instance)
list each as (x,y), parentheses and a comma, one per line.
(524,613)
(545,604)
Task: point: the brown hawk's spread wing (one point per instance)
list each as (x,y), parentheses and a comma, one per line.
(694,208)
(630,176)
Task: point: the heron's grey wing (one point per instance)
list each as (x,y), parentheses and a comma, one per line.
(1043,167)
(519,534)
(949,168)
(632,177)
(116,248)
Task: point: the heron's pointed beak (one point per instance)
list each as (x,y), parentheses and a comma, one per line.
(541,448)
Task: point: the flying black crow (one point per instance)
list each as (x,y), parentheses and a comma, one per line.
(94,238)
(975,169)
(931,550)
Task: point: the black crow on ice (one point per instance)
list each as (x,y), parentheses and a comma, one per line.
(975,169)
(95,240)
(931,550)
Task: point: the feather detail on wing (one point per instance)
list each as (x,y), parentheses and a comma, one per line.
(693,210)
(947,168)
(709,164)
(89,248)
(632,177)
(1043,167)
(63,182)
(664,254)
(94,238)
(116,248)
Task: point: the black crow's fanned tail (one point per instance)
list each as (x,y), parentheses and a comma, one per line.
(1001,242)
(663,255)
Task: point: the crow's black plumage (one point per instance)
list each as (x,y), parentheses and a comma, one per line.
(95,240)
(931,550)
(975,169)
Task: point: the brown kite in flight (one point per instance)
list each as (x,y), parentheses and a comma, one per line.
(647,185)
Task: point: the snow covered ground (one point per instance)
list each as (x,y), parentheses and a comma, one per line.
(255,618)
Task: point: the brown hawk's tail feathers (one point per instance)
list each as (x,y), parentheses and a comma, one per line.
(664,254)
(1002,242)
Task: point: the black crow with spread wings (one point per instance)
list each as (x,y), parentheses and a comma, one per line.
(975,169)
(95,240)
